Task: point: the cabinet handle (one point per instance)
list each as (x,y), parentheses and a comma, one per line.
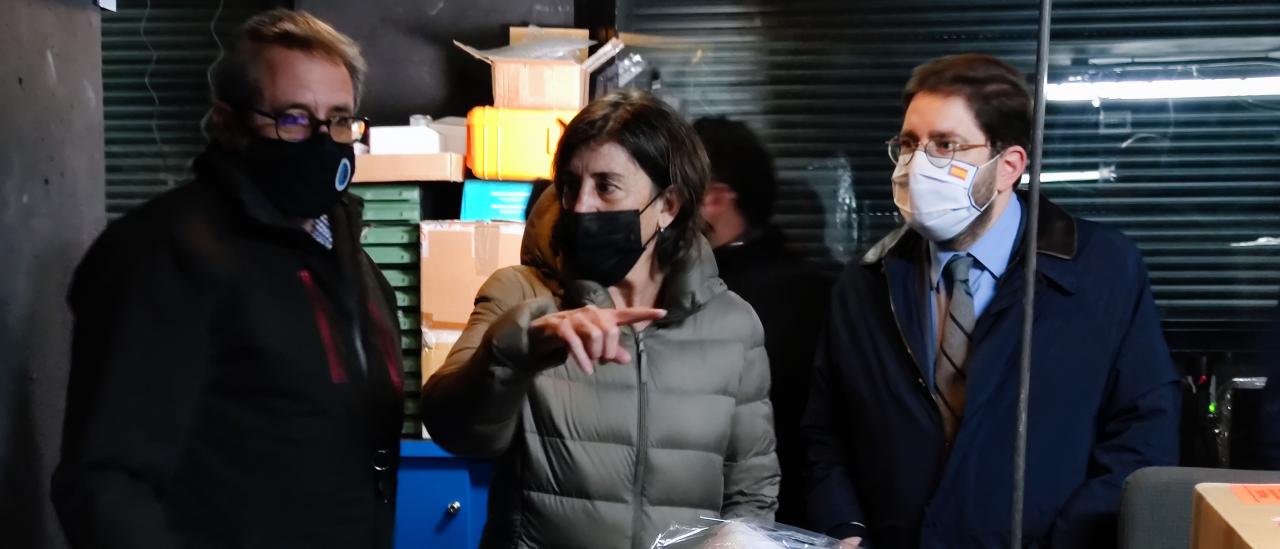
(454,508)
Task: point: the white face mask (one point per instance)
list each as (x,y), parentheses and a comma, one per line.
(937,202)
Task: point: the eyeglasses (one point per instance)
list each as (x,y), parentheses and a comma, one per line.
(940,151)
(294,126)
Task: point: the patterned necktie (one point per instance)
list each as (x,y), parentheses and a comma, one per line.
(953,351)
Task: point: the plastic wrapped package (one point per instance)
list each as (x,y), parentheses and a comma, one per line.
(739,534)
(628,70)
(542,47)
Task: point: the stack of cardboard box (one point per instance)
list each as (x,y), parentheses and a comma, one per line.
(437,267)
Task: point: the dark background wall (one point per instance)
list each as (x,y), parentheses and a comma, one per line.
(414,68)
(51,207)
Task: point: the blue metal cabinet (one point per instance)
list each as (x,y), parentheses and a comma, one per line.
(441,500)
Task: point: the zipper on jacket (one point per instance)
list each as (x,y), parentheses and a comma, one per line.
(337,374)
(642,444)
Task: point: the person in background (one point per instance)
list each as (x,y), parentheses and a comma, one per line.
(1267,454)
(788,293)
(235,376)
(914,398)
(619,384)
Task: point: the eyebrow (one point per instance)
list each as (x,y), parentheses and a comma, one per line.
(607,176)
(341,109)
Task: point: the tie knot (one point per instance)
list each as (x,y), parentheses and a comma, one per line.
(957,269)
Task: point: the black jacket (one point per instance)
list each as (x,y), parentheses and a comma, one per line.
(790,295)
(218,397)
(1104,399)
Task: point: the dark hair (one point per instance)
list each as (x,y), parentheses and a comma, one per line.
(662,144)
(739,160)
(537,187)
(995,91)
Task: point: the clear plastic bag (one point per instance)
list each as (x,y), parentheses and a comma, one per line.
(536,46)
(740,534)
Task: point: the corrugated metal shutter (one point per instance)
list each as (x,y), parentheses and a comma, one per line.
(821,80)
(153,132)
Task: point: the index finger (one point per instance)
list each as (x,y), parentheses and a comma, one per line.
(632,315)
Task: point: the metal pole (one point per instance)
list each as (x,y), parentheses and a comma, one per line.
(1033,222)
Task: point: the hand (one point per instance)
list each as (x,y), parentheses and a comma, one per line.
(850,543)
(592,333)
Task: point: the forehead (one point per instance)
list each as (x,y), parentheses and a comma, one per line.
(931,114)
(603,157)
(288,77)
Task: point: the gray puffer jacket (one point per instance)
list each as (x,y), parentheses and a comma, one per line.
(608,460)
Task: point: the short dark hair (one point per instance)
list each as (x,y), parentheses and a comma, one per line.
(995,91)
(739,160)
(662,143)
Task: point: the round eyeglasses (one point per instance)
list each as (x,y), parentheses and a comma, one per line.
(294,126)
(939,151)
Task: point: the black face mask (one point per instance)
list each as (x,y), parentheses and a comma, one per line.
(603,246)
(303,179)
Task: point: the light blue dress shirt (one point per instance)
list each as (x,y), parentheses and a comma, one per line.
(991,255)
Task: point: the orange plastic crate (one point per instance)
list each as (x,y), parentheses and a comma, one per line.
(514,144)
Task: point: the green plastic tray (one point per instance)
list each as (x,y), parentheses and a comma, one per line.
(412,364)
(406,299)
(387,193)
(412,382)
(393,255)
(411,428)
(409,320)
(389,234)
(401,278)
(391,211)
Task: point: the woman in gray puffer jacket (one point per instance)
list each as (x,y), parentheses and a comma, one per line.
(618,383)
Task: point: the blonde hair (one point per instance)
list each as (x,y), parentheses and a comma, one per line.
(235,80)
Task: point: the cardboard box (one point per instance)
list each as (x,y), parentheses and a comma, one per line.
(457,258)
(436,344)
(521,83)
(1236,516)
(495,200)
(386,168)
(453,134)
(403,140)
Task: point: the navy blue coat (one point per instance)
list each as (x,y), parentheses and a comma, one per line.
(1104,399)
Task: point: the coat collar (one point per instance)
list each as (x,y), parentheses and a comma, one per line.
(1056,237)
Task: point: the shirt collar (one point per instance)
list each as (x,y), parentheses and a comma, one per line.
(991,251)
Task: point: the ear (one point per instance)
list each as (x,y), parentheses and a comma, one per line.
(671,205)
(228,128)
(1010,167)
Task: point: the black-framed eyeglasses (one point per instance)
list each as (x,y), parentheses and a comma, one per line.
(295,126)
(940,151)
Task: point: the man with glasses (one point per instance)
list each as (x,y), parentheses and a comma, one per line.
(912,412)
(235,373)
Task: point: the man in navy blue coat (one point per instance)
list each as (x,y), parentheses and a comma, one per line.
(911,418)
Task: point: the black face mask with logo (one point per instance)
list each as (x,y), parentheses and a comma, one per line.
(604,246)
(303,179)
